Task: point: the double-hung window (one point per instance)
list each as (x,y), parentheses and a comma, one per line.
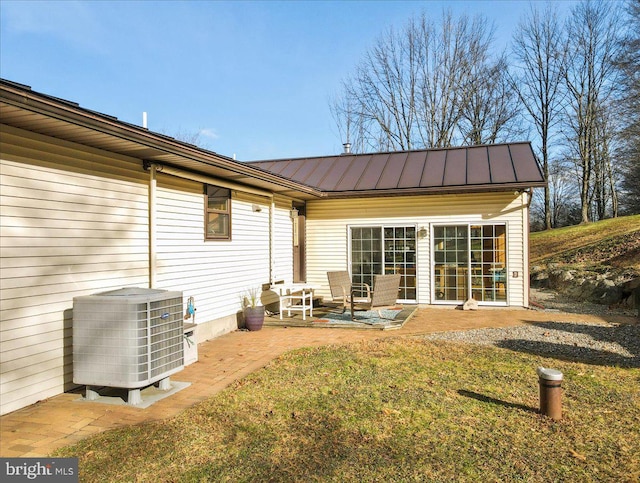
(217,213)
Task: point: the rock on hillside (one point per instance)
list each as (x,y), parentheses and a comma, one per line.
(608,288)
(605,271)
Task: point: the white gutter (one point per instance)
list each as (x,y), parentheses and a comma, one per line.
(223,183)
(160,168)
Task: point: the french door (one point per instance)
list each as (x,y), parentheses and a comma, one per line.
(384,250)
(470,261)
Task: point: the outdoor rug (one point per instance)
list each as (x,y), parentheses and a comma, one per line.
(369,319)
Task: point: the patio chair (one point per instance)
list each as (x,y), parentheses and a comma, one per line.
(341,288)
(385,295)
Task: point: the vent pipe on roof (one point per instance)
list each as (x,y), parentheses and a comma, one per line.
(144,120)
(347,148)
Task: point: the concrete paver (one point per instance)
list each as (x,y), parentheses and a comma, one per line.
(40,429)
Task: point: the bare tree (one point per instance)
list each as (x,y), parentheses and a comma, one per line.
(384,91)
(491,114)
(537,49)
(350,127)
(629,109)
(448,58)
(562,189)
(415,86)
(190,137)
(592,45)
(605,193)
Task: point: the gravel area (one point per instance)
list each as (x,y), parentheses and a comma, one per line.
(598,343)
(551,300)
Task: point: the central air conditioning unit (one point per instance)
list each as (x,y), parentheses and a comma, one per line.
(127,338)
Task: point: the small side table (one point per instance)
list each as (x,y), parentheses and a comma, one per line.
(295,297)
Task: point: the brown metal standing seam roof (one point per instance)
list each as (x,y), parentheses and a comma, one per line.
(462,169)
(476,168)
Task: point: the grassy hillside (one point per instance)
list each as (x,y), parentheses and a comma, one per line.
(613,243)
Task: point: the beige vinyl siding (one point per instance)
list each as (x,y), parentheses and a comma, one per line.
(214,272)
(73,222)
(282,241)
(518,241)
(328,223)
(218,272)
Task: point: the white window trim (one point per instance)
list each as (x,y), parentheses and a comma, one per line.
(383,226)
(432,266)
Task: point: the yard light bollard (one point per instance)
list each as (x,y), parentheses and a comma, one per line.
(550,381)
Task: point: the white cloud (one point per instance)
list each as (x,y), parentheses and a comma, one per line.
(209,133)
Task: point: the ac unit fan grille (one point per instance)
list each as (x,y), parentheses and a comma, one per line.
(127,338)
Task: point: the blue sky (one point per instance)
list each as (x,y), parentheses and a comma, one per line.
(254,78)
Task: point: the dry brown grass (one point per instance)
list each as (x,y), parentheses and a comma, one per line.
(614,242)
(392,410)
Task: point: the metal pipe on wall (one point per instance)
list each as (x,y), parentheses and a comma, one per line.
(152,226)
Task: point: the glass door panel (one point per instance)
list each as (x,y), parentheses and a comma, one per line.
(400,257)
(366,254)
(451,262)
(388,249)
(488,263)
(470,257)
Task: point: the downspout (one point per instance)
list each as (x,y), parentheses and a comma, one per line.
(155,168)
(272,215)
(531,303)
(530,197)
(152,226)
(525,253)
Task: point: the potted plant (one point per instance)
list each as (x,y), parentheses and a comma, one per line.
(253,310)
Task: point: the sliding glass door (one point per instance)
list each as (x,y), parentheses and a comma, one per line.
(469,261)
(383,250)
(488,245)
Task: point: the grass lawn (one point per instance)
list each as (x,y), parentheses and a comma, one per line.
(612,242)
(391,410)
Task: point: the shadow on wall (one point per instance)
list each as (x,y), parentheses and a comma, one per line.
(68,350)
